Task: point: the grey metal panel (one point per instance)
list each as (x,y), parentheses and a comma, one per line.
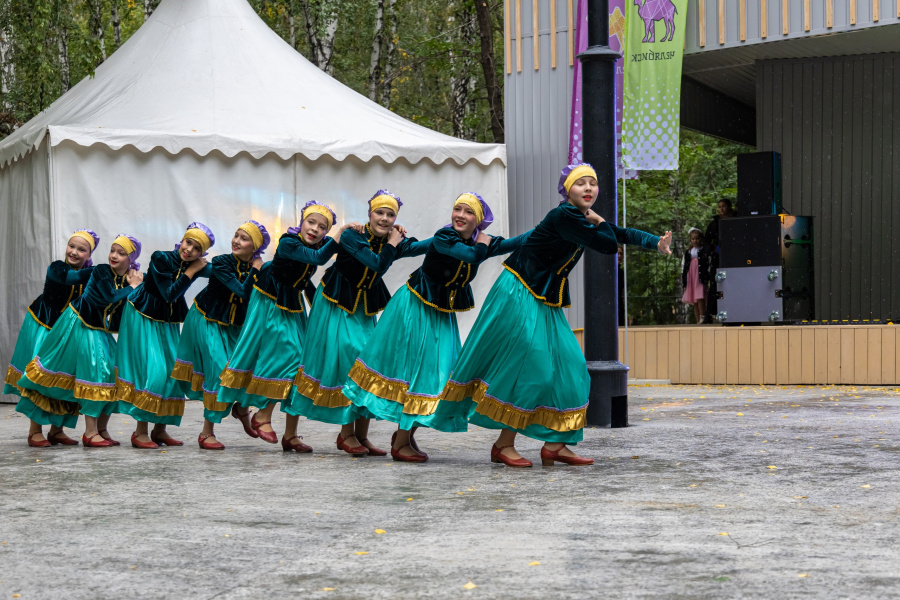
(731,69)
(836,123)
(818,28)
(537,105)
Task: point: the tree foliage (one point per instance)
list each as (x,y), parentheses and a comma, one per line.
(675,201)
(48,45)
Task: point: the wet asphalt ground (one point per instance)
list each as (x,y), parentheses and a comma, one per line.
(713,492)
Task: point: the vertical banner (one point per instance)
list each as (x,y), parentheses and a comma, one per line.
(616,41)
(654,47)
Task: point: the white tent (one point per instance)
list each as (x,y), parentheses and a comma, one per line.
(206,114)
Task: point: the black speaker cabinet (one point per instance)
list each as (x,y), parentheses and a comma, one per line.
(759,183)
(750,241)
(765,269)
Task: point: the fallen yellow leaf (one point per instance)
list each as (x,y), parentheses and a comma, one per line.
(800,497)
(534,563)
(802,574)
(380,531)
(409,499)
(740,414)
(866,486)
(771,467)
(328,589)
(720,506)
(361,553)
(724,533)
(499,510)
(470,586)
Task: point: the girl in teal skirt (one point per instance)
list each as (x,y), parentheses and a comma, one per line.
(401,371)
(75,361)
(350,296)
(149,338)
(64,282)
(522,370)
(264,363)
(213,325)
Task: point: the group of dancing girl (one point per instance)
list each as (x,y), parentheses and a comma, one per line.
(248,342)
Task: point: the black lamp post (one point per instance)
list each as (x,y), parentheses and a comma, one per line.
(609,378)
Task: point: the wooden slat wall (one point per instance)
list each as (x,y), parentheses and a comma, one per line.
(836,123)
(804,355)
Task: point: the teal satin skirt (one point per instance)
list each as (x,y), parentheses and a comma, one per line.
(335,340)
(74,365)
(521,368)
(401,372)
(264,363)
(203,351)
(144,363)
(39,408)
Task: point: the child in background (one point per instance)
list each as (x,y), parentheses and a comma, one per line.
(695,275)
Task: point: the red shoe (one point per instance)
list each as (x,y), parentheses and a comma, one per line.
(372,450)
(548,456)
(245,421)
(497,457)
(65,440)
(88,442)
(354,450)
(138,444)
(266,436)
(287,446)
(412,444)
(217,445)
(109,437)
(415,458)
(169,441)
(36,444)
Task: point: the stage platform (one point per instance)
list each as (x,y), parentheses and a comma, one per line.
(855,354)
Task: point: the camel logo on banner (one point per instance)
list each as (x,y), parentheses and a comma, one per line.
(654,47)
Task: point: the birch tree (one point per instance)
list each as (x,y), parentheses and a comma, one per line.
(321,18)
(116,24)
(375,60)
(486,32)
(462,83)
(390,19)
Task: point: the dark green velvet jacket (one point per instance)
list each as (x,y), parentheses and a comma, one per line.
(161,296)
(362,260)
(101,304)
(224,299)
(544,262)
(451,263)
(286,277)
(62,285)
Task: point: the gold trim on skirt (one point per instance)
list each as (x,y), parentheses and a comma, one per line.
(211,402)
(184,371)
(312,389)
(513,416)
(395,391)
(267,388)
(236,380)
(80,389)
(161,407)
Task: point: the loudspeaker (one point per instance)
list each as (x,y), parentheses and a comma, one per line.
(759,183)
(750,241)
